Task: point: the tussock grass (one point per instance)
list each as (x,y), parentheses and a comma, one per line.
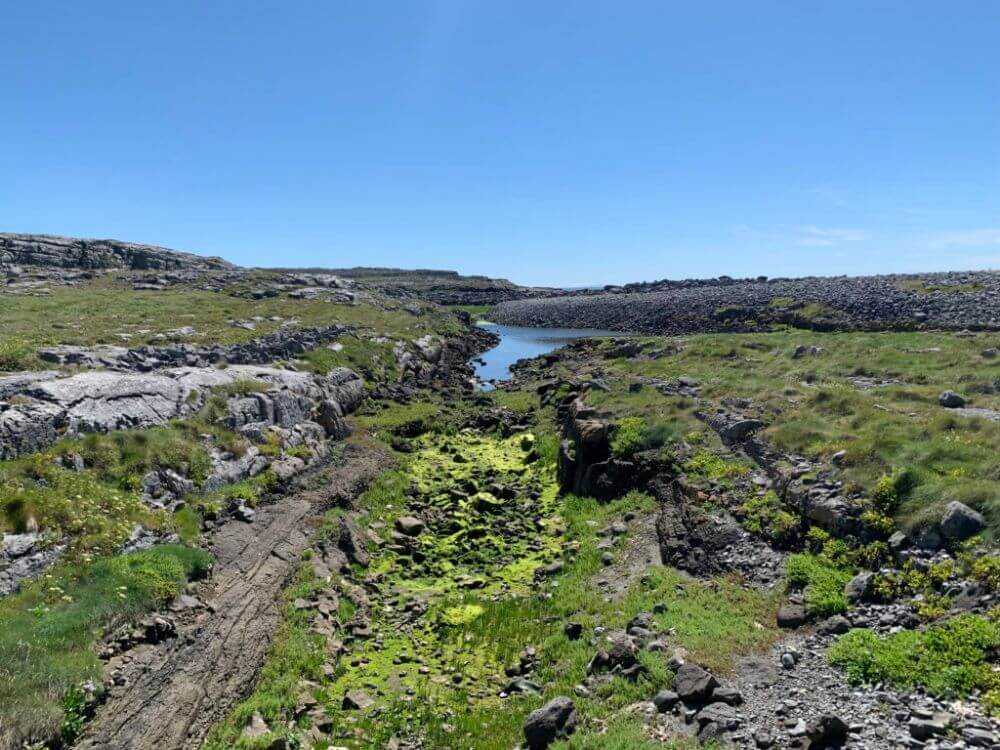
(813,408)
(49,629)
(97,311)
(373,360)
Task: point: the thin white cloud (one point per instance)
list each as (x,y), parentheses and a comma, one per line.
(965,238)
(813,236)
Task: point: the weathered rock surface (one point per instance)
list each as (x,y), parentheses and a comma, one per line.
(69,252)
(553,721)
(171,693)
(285,344)
(960,522)
(101,401)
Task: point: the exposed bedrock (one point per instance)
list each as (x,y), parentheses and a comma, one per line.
(44,408)
(284,344)
(585,464)
(953,300)
(70,252)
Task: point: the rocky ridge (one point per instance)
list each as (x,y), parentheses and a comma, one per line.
(944,301)
(73,253)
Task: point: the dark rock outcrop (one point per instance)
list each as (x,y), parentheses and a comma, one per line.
(553,721)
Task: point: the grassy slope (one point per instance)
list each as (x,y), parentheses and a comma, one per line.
(813,408)
(49,630)
(97,312)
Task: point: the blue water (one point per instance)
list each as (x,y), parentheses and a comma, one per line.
(520,343)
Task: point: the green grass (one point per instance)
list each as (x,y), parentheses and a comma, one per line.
(812,408)
(107,310)
(767,515)
(919,287)
(946,660)
(633,434)
(242,387)
(822,583)
(625,733)
(49,629)
(476,312)
(711,465)
(372,359)
(478,633)
(422,415)
(96,515)
(17,354)
(98,507)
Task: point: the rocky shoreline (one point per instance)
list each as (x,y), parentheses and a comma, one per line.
(872,303)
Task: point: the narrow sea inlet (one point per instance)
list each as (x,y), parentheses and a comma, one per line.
(524,343)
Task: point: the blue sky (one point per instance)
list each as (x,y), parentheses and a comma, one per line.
(563,143)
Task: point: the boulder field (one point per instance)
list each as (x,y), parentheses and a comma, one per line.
(947,300)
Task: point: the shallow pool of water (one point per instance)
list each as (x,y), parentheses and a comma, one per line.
(520,343)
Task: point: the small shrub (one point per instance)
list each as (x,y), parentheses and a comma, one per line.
(878,523)
(706,464)
(822,584)
(627,437)
(16,354)
(986,570)
(943,659)
(768,516)
(932,606)
(633,434)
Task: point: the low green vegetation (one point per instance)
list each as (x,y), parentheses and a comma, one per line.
(476,312)
(710,465)
(948,660)
(634,434)
(919,287)
(873,395)
(626,734)
(17,354)
(821,581)
(49,630)
(371,357)
(438,678)
(766,515)
(97,505)
(36,493)
(108,310)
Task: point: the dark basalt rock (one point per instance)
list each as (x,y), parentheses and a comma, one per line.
(694,684)
(555,720)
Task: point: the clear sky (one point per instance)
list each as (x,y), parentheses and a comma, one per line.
(551,142)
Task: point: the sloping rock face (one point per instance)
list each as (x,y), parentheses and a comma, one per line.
(69,252)
(585,464)
(43,410)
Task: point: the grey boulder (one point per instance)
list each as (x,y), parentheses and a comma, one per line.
(553,721)
(960,522)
